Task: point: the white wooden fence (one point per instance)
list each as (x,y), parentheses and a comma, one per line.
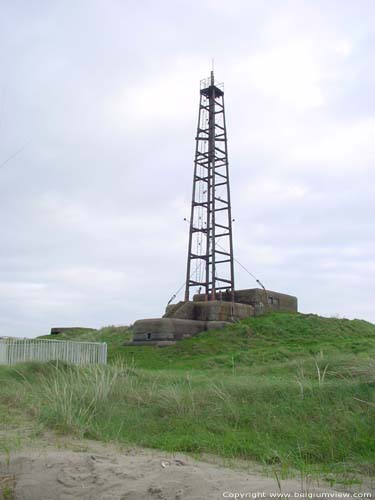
(14,351)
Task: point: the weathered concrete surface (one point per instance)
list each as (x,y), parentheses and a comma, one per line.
(216,310)
(186,319)
(181,310)
(267,300)
(261,300)
(166,329)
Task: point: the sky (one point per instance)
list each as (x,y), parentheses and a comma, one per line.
(99,103)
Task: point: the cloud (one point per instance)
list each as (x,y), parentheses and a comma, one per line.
(107,95)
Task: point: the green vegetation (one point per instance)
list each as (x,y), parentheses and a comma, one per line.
(291,391)
(264,340)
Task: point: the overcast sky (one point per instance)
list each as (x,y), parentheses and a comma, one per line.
(102,98)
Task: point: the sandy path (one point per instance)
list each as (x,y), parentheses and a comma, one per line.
(104,473)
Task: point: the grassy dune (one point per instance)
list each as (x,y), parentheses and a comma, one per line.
(278,337)
(291,391)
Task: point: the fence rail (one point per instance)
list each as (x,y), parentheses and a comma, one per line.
(14,351)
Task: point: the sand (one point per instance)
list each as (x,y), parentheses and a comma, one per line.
(104,472)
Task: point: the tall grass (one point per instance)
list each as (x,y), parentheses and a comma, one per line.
(295,419)
(293,391)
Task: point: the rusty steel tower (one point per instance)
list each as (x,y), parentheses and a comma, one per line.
(210,265)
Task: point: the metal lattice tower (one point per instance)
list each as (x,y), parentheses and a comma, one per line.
(210,267)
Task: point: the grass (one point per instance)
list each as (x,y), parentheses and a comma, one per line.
(264,340)
(289,391)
